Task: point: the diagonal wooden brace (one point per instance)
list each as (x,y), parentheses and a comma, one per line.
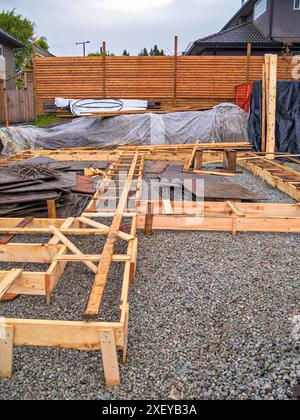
(72,248)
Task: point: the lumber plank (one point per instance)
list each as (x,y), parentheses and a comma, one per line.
(96,295)
(110,359)
(8,281)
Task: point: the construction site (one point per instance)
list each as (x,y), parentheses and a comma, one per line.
(149,244)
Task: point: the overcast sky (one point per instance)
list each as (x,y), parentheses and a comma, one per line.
(130,24)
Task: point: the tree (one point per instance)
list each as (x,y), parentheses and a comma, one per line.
(100,54)
(22,29)
(42,43)
(144,53)
(126,53)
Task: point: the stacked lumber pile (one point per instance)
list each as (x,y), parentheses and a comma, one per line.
(32,186)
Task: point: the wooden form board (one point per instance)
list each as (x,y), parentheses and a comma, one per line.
(198,81)
(274,173)
(230,217)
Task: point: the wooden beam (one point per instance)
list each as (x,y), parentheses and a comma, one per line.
(92,223)
(271,109)
(110,358)
(96,295)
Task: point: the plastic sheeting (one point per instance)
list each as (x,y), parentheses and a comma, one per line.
(287,117)
(224,123)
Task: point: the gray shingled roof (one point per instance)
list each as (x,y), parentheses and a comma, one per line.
(245,33)
(15,43)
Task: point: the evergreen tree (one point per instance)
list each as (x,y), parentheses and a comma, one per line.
(144,53)
(126,53)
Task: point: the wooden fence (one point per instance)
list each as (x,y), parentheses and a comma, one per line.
(182,81)
(20,102)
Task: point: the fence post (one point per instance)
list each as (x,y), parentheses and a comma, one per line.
(34,84)
(104,69)
(175,70)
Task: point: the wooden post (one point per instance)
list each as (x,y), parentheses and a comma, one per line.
(6,351)
(271,108)
(230,161)
(175,71)
(110,358)
(198,160)
(249,51)
(263,117)
(51,205)
(35,103)
(104,69)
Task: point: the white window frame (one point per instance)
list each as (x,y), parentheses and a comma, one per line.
(1,50)
(296,5)
(260,3)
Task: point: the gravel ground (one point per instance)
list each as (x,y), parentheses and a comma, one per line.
(210,318)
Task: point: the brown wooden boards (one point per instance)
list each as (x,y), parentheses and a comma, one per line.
(199,81)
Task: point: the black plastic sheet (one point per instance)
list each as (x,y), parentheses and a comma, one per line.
(287,117)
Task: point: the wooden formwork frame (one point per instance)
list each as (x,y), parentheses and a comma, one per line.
(105,336)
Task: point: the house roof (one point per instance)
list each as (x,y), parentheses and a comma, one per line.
(242,34)
(10,40)
(238,36)
(40,52)
(245,10)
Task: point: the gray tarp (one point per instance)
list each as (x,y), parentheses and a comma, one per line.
(224,123)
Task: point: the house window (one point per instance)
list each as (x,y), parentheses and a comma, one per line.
(1,50)
(260,8)
(296,4)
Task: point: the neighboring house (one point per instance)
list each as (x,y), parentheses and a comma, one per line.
(40,52)
(7,46)
(269,25)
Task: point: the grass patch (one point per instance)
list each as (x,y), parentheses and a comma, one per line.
(46,120)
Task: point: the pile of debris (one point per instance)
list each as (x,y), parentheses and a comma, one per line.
(27,187)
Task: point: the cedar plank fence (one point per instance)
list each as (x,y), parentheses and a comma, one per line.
(20,102)
(182,81)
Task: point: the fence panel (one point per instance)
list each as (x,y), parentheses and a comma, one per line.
(201,81)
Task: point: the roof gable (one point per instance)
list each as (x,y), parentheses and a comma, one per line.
(245,10)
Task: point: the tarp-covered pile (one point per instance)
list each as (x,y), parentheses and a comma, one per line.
(287,117)
(224,123)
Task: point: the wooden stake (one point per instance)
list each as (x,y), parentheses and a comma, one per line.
(110,359)
(149,220)
(51,205)
(192,156)
(6,351)
(198,161)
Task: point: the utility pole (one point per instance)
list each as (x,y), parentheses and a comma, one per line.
(83,44)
